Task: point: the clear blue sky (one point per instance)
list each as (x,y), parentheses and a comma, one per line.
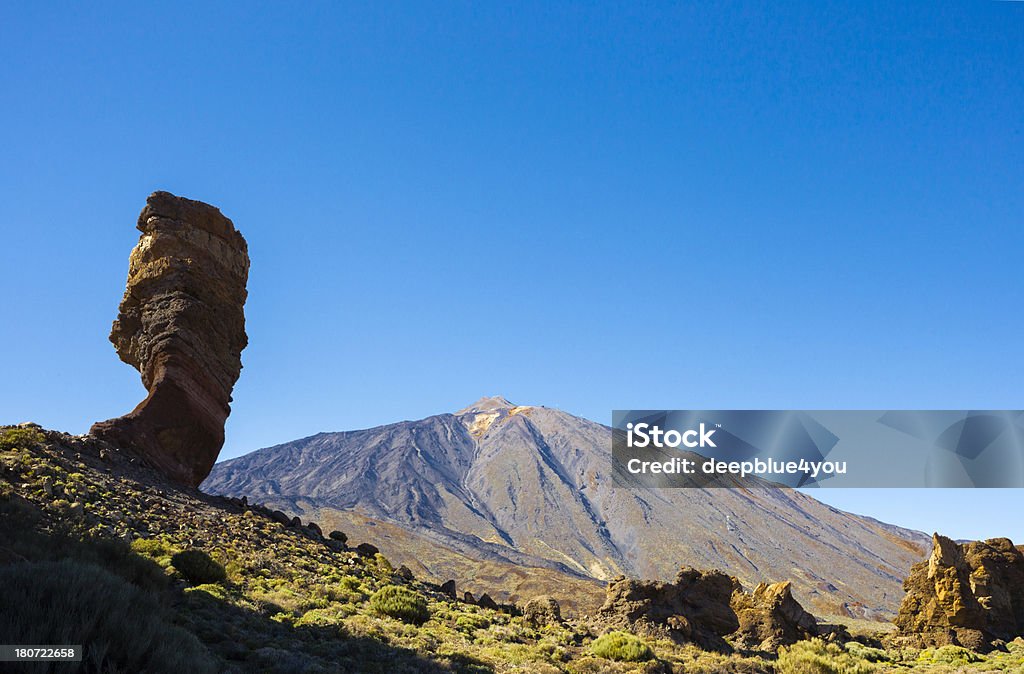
(587,206)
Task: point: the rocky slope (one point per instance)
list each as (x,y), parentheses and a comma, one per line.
(99,549)
(531,486)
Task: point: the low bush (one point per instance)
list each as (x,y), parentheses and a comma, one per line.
(949,655)
(121,627)
(401,603)
(20,438)
(621,647)
(198,567)
(859,650)
(817,657)
(469,623)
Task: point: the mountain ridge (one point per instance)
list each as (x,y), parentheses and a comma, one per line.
(530,486)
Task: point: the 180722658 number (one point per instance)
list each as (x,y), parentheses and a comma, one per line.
(40,653)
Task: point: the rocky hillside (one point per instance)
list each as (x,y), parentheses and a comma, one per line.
(531,487)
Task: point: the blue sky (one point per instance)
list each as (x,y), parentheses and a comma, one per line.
(586,206)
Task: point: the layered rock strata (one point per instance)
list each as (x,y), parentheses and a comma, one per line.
(181,325)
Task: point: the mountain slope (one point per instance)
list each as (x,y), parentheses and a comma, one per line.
(532,486)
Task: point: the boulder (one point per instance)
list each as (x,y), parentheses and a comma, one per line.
(181,325)
(367,549)
(770,617)
(485,601)
(542,610)
(969,595)
(448,588)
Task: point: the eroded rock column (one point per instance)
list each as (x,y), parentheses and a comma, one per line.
(181,325)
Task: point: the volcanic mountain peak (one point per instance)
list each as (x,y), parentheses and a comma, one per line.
(532,487)
(482,415)
(487,404)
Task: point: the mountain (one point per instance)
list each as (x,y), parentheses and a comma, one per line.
(528,487)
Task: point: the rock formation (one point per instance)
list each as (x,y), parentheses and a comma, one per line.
(969,595)
(181,325)
(693,609)
(704,607)
(541,611)
(771,617)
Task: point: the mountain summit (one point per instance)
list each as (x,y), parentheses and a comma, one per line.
(529,487)
(487,404)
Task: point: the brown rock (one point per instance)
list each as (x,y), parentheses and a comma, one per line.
(448,588)
(694,609)
(970,595)
(367,549)
(771,617)
(485,601)
(181,324)
(542,610)
(703,607)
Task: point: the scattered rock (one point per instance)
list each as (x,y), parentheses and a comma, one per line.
(405,573)
(280,517)
(181,324)
(367,550)
(468,598)
(969,595)
(485,601)
(448,588)
(542,610)
(338,536)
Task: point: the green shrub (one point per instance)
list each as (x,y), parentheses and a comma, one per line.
(949,655)
(401,603)
(817,657)
(859,650)
(215,591)
(198,567)
(159,551)
(320,617)
(121,627)
(621,647)
(118,558)
(469,623)
(20,438)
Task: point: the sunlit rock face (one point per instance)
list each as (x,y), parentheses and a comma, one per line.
(181,325)
(969,594)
